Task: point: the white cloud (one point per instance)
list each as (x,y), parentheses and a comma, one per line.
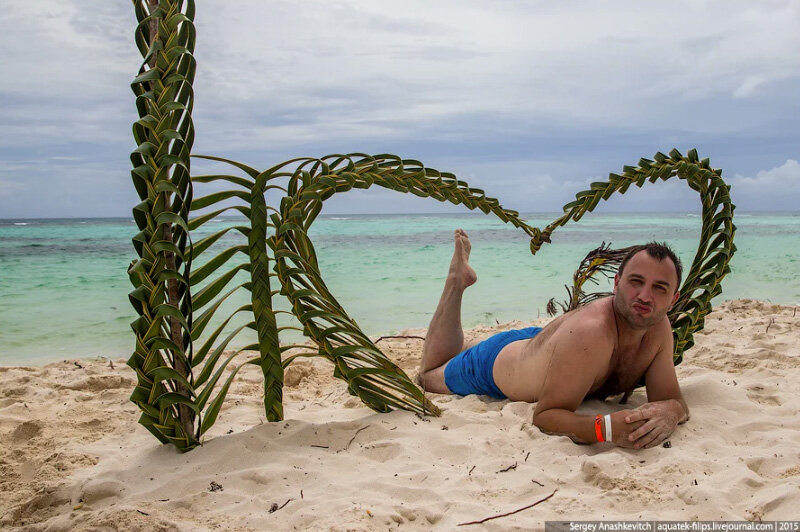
(775,189)
(786,175)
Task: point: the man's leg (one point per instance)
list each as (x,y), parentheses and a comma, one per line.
(445,337)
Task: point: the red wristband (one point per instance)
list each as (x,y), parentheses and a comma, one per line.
(598,428)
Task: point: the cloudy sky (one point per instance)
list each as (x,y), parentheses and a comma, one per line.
(530,101)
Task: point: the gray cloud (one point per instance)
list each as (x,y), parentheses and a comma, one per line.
(529,101)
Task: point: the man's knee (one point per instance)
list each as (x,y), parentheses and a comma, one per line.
(433,380)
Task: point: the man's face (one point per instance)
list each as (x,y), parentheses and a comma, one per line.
(646,290)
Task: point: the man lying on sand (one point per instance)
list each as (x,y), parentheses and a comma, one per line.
(598,350)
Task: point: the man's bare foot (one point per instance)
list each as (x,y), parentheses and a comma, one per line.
(460,271)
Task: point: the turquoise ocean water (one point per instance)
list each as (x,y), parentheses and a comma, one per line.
(64,286)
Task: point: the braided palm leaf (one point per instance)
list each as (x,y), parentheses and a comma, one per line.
(714,251)
(164,135)
(258,256)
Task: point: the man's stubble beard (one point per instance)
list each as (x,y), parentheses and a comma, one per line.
(633,320)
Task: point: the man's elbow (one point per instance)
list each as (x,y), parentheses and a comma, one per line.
(542,420)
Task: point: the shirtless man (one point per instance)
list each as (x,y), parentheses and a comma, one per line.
(598,350)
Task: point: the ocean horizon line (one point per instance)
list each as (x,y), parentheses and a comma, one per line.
(398,214)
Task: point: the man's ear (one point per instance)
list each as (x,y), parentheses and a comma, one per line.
(675,298)
(616,282)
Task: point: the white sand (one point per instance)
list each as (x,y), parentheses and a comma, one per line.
(73,456)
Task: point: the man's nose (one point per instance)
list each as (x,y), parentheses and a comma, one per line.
(646,294)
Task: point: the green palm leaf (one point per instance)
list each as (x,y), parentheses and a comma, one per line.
(164,135)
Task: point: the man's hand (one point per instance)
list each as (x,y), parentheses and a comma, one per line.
(656,421)
(621,428)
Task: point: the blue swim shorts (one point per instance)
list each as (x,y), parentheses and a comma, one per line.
(470,371)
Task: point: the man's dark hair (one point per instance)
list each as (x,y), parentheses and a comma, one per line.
(657,250)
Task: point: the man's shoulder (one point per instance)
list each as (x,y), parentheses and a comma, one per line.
(590,325)
(596,318)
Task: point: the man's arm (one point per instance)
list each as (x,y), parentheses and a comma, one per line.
(665,407)
(579,356)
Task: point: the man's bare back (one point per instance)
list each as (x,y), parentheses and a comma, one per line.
(598,350)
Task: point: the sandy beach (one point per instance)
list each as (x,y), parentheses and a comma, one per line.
(73,456)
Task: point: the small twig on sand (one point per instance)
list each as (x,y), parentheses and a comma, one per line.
(320,446)
(795,312)
(287,502)
(470,471)
(78,365)
(401,336)
(771,321)
(301,494)
(537,482)
(527,455)
(143,513)
(275,507)
(509,468)
(110,364)
(509,513)
(354,436)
